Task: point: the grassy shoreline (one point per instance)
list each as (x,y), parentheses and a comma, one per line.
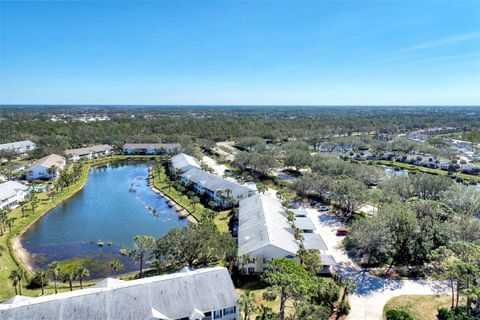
(15,256)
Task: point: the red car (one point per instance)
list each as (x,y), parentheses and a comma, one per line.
(342,232)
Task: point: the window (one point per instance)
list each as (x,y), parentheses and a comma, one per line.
(251,270)
(217,314)
(228,311)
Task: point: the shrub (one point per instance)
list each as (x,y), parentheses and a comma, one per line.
(461,313)
(345,307)
(35,282)
(398,314)
(269,295)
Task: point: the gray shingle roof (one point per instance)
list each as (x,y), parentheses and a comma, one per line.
(49,161)
(87,150)
(262,222)
(151,145)
(213,182)
(17,145)
(10,188)
(175,296)
(182,160)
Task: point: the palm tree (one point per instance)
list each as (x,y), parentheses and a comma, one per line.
(34,202)
(9,223)
(52,170)
(141,247)
(54,270)
(228,192)
(14,277)
(290,215)
(246,304)
(115,264)
(193,201)
(262,188)
(265,313)
(42,275)
(3,221)
(69,276)
(298,233)
(81,274)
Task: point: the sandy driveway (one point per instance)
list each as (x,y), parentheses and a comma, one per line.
(372,292)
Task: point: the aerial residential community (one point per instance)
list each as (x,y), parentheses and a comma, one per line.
(240,160)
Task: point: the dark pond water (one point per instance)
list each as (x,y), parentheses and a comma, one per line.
(105,210)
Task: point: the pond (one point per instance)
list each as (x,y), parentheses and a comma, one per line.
(115,205)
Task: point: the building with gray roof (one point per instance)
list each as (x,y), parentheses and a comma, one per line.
(18,146)
(47,167)
(12,193)
(201,294)
(150,148)
(223,192)
(183,162)
(264,232)
(89,152)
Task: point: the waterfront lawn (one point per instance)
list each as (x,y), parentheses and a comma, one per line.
(160,181)
(420,307)
(8,261)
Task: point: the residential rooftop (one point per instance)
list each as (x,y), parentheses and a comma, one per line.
(263,222)
(174,296)
(87,150)
(49,161)
(213,182)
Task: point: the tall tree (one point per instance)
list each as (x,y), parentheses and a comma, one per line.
(142,250)
(247,304)
(54,271)
(82,273)
(115,265)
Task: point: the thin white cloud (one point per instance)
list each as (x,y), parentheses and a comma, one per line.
(443,42)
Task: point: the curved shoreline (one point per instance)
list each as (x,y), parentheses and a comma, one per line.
(20,254)
(181,210)
(23,258)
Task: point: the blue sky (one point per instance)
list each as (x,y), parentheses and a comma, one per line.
(225,52)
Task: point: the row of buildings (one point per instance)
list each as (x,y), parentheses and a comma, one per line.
(203,294)
(20,147)
(224,193)
(264,232)
(418,160)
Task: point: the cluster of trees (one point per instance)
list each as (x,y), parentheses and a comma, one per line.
(312,297)
(416,216)
(55,272)
(197,245)
(311,125)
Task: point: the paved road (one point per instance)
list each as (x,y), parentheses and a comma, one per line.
(372,292)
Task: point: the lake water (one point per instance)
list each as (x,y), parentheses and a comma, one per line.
(105,210)
(400,172)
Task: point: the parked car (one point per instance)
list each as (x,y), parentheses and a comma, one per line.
(323,208)
(343,232)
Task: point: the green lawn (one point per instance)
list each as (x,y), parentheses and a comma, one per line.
(8,261)
(160,181)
